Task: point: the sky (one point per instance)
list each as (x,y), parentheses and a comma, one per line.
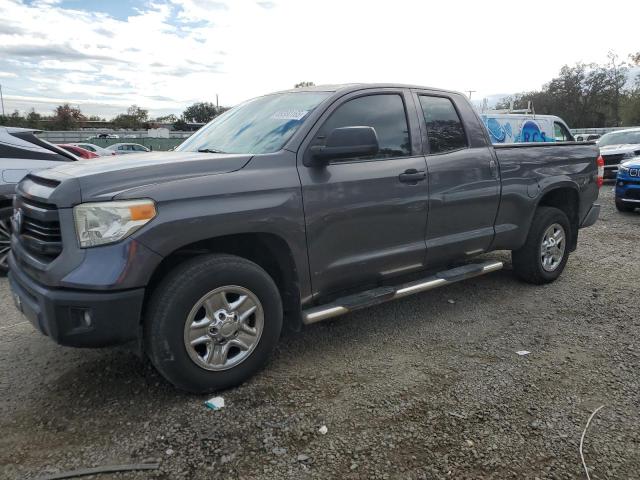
(164,55)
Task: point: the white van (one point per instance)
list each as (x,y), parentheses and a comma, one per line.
(525,128)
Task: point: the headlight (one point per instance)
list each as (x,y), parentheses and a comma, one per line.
(622,168)
(109,222)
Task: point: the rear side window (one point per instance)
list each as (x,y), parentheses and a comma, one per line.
(444,128)
(385,113)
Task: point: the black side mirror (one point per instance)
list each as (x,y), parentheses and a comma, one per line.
(344,142)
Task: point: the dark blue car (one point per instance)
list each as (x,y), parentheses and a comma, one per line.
(628,186)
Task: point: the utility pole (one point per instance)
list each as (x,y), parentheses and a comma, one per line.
(470,92)
(2,100)
(217,104)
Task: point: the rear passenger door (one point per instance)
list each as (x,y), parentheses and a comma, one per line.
(463,177)
(365,220)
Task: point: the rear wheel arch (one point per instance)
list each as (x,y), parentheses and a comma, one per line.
(566,198)
(269,251)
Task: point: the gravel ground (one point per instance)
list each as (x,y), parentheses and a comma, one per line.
(426,387)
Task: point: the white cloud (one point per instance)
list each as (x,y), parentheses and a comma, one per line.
(189,50)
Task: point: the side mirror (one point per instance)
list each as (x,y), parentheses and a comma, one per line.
(344,142)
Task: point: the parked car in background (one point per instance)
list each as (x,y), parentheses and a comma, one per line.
(78,151)
(107,135)
(100,151)
(525,128)
(332,200)
(586,137)
(628,185)
(21,152)
(618,146)
(125,148)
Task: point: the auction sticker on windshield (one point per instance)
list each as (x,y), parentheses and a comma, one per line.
(289,114)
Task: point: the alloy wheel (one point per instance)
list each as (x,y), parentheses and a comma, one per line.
(224,327)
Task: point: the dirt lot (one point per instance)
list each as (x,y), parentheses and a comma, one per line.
(426,387)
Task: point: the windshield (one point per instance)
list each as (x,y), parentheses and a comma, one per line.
(261,125)
(619,138)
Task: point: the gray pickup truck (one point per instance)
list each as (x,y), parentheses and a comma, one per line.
(288,209)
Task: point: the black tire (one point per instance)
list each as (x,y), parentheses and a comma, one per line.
(527,261)
(623,207)
(176,296)
(5,238)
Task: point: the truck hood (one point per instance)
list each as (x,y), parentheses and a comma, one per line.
(623,148)
(633,163)
(105,177)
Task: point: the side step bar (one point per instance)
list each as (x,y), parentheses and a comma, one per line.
(384,294)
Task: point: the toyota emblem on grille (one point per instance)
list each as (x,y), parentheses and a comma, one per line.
(17,220)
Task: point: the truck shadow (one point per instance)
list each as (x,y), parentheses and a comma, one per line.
(112,381)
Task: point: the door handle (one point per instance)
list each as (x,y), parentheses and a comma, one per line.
(412,176)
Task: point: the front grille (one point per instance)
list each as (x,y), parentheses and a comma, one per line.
(633,194)
(40,232)
(613,159)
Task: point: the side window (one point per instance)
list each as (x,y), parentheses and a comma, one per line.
(560,133)
(384,112)
(444,128)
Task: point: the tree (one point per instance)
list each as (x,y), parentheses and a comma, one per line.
(201,112)
(13,120)
(135,118)
(617,76)
(139,114)
(630,104)
(33,119)
(66,117)
(304,84)
(586,95)
(171,118)
(180,125)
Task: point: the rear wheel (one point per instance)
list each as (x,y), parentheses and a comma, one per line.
(624,207)
(212,322)
(544,255)
(5,238)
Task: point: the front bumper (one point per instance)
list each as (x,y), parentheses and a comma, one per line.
(628,189)
(74,317)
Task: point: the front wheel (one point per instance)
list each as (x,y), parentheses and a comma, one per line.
(544,255)
(212,322)
(5,238)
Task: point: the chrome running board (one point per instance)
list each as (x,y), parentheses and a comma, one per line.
(384,294)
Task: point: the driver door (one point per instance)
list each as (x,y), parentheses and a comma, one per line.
(366,217)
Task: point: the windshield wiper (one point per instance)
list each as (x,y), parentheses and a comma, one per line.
(210,150)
